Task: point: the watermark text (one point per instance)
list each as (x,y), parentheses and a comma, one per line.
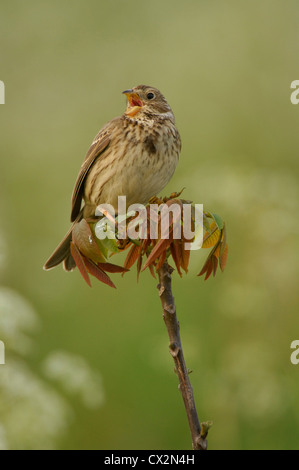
(175,220)
(2,92)
(2,353)
(295,354)
(295,94)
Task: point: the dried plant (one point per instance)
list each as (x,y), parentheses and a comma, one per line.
(91,255)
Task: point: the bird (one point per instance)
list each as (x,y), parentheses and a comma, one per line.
(133,155)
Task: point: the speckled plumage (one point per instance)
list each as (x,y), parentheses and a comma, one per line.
(133,155)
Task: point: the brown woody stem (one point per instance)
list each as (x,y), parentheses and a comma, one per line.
(198,434)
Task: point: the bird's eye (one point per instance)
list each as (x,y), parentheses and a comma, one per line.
(150,96)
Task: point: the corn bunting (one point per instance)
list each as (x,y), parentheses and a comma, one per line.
(134,155)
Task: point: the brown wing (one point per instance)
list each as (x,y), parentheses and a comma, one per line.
(99,144)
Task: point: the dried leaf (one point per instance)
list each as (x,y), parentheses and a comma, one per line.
(112,268)
(210,239)
(144,245)
(152,271)
(185,256)
(139,264)
(204,268)
(80,263)
(85,242)
(215,265)
(223,240)
(176,254)
(161,260)
(132,256)
(207,263)
(161,246)
(216,250)
(95,271)
(209,269)
(223,258)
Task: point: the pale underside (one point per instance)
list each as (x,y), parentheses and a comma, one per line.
(138,168)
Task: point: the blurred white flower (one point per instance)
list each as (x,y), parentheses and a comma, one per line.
(75,376)
(17,317)
(33,415)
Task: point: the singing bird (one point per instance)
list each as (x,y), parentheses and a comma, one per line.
(133,155)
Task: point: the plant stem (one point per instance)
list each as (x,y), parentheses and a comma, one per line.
(198,432)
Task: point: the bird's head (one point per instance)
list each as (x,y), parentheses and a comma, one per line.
(146,100)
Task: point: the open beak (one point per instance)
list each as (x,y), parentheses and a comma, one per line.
(134,102)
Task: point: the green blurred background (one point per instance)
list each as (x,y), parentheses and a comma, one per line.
(90,368)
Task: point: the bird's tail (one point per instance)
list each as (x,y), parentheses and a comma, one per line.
(63,252)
